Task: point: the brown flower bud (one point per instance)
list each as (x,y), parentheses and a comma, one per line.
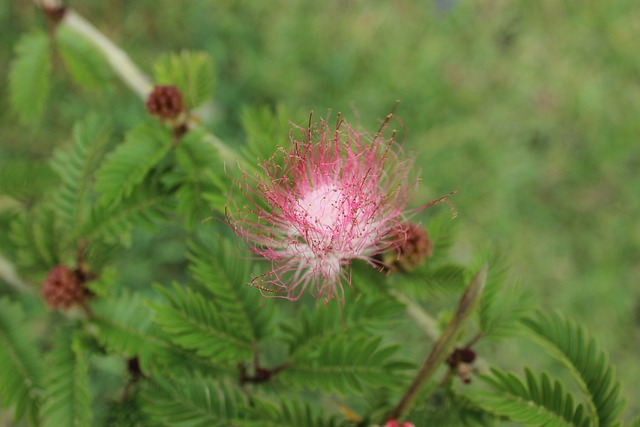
(165,102)
(63,288)
(54,13)
(412,247)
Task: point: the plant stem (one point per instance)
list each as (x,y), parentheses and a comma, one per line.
(9,275)
(424,321)
(127,70)
(442,348)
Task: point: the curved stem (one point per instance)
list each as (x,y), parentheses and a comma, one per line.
(442,348)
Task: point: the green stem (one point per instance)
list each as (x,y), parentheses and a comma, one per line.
(443,347)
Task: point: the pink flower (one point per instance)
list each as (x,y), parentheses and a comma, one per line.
(336,197)
(394,423)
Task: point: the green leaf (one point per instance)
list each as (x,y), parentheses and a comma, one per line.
(193,322)
(192,72)
(129,164)
(265,130)
(195,402)
(363,316)
(30,74)
(223,272)
(345,365)
(84,62)
(76,167)
(570,343)
(502,306)
(291,413)
(197,176)
(38,238)
(538,402)
(124,326)
(20,368)
(67,401)
(147,206)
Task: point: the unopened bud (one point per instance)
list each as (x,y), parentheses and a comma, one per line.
(165,102)
(63,288)
(413,246)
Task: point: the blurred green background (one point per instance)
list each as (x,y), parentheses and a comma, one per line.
(530,109)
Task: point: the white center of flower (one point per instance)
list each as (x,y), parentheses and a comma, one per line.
(323,207)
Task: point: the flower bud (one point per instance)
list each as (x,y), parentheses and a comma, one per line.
(63,287)
(165,102)
(412,247)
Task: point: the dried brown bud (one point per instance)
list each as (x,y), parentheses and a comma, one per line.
(461,360)
(63,288)
(54,13)
(412,247)
(165,102)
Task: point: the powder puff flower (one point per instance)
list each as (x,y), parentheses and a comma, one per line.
(334,198)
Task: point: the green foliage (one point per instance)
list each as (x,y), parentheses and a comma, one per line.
(361,317)
(265,131)
(218,266)
(450,408)
(193,322)
(195,402)
(29,77)
(37,236)
(66,400)
(131,162)
(124,327)
(196,176)
(539,402)
(345,365)
(192,72)
(147,206)
(570,343)
(502,306)
(76,167)
(292,413)
(85,64)
(20,366)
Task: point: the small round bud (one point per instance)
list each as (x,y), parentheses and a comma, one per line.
(63,288)
(54,13)
(165,102)
(412,247)
(462,361)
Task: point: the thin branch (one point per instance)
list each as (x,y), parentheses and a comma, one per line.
(442,348)
(132,76)
(9,275)
(126,69)
(423,319)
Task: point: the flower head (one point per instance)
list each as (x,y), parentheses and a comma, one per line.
(337,196)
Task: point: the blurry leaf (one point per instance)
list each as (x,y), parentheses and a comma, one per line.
(76,167)
(38,238)
(20,363)
(220,268)
(29,76)
(363,316)
(128,165)
(197,176)
(147,206)
(538,402)
(292,413)
(67,401)
(571,344)
(345,365)
(85,63)
(265,131)
(502,306)
(195,402)
(193,322)
(192,72)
